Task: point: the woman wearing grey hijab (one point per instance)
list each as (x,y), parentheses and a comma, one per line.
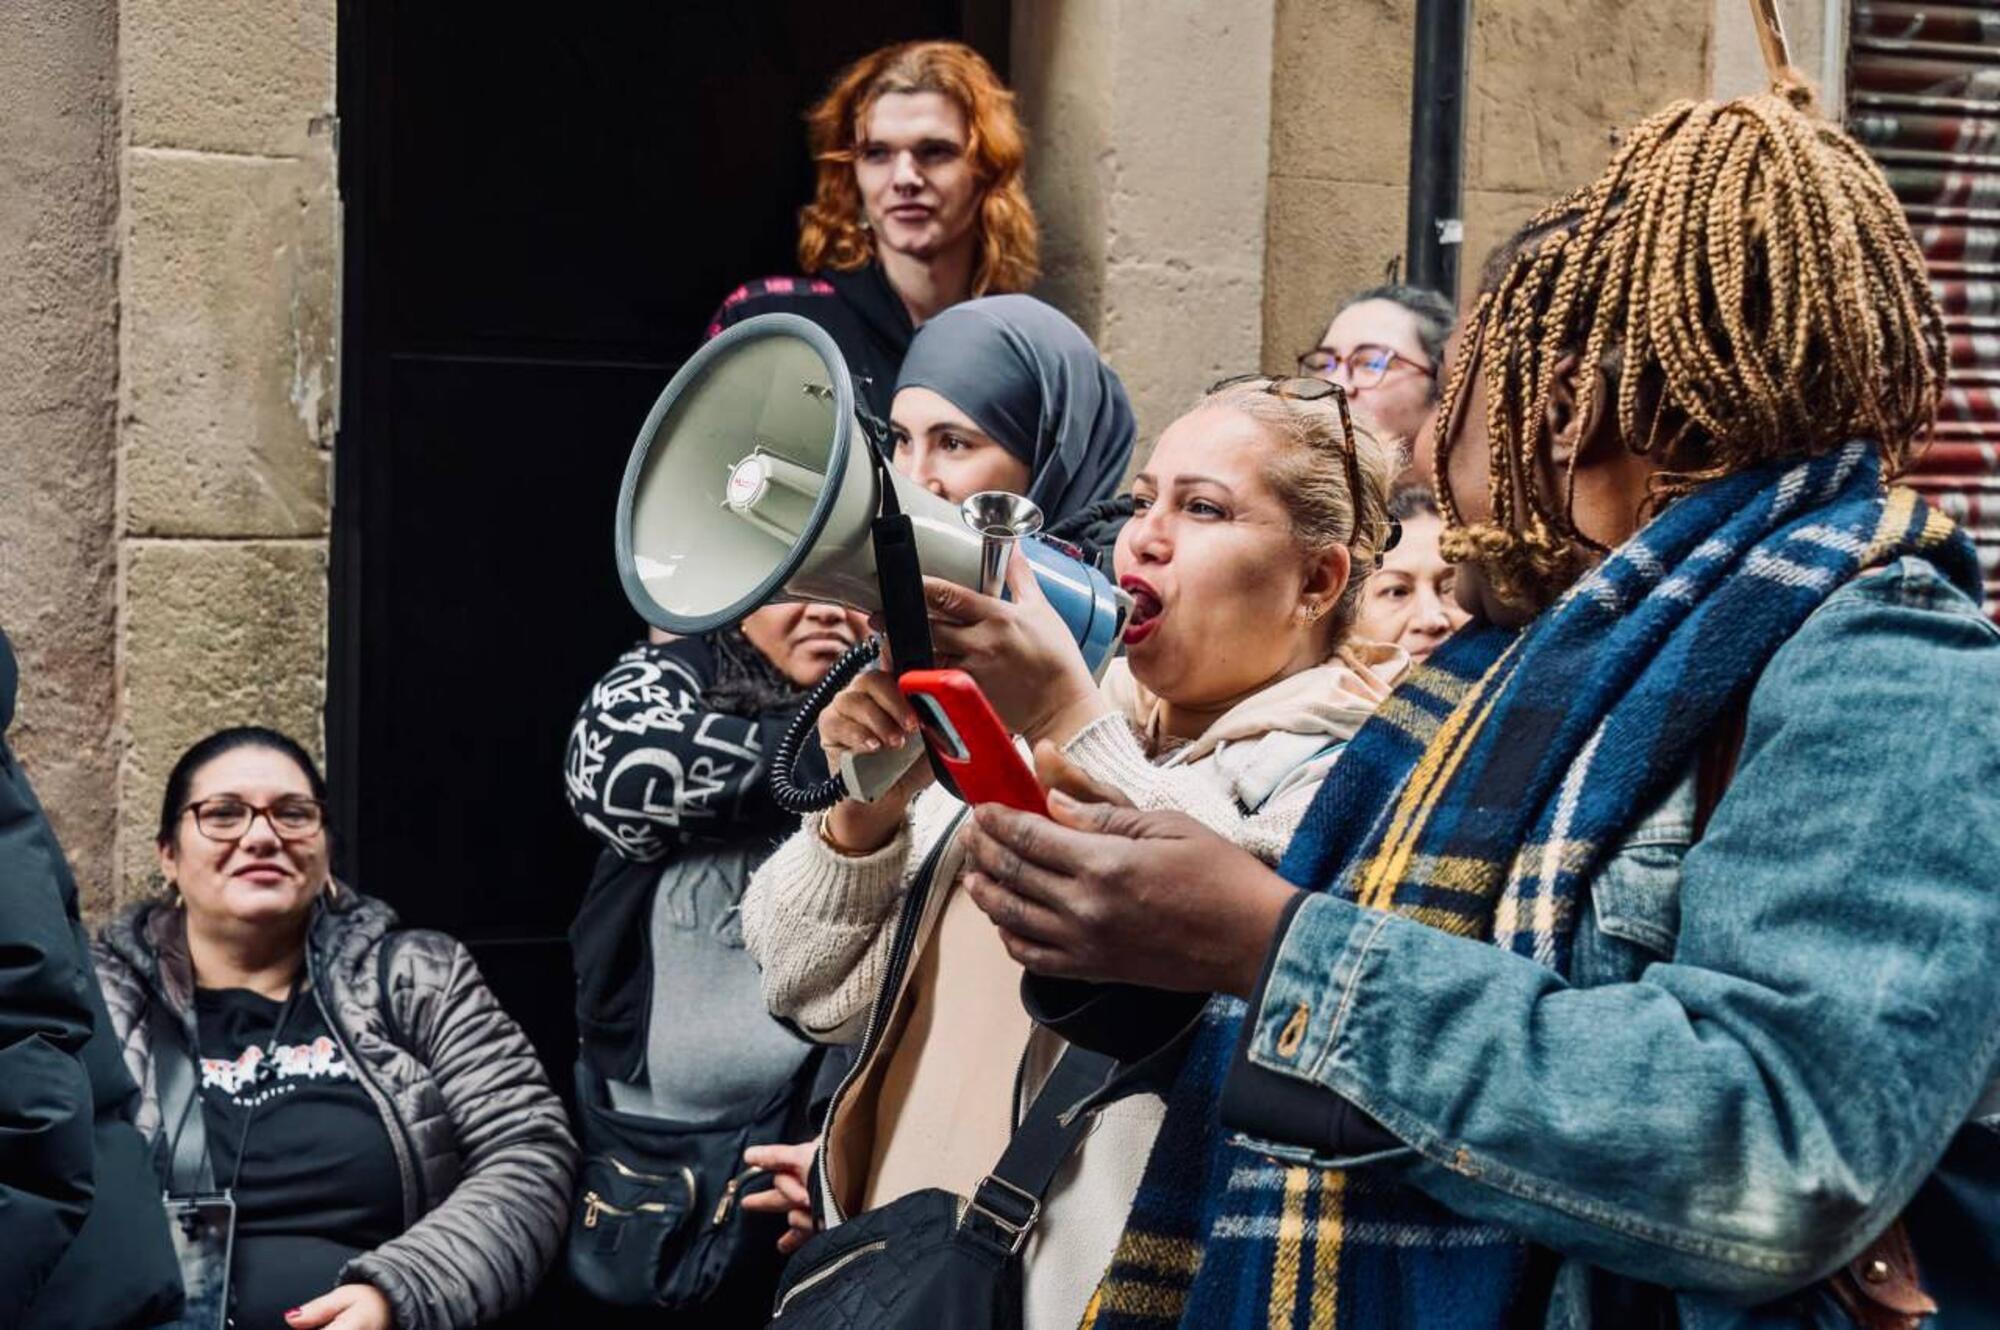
(1006,393)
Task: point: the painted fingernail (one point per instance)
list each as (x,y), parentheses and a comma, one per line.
(872,745)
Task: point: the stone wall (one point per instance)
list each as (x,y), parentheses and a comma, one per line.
(1340,161)
(1149,157)
(1549,83)
(169,231)
(58,395)
(228,387)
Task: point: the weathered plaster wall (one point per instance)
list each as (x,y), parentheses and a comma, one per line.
(1151,124)
(1552,83)
(1550,80)
(230,239)
(58,393)
(1340,161)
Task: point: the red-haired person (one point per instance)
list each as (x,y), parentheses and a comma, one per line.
(920,202)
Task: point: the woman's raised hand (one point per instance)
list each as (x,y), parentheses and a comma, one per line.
(1019,652)
(871,716)
(867,716)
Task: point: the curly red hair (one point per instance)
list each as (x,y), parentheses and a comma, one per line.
(830,231)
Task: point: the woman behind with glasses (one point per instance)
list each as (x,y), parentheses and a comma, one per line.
(1385,347)
(1258,517)
(395,1155)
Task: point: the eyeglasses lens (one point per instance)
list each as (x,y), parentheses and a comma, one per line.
(228,819)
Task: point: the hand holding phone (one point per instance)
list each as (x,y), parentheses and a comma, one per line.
(965,736)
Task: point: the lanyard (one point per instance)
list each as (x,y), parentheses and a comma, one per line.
(266,1069)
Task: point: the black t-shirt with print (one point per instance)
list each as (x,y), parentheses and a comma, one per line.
(318,1183)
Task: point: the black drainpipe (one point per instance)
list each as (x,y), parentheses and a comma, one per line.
(1437,142)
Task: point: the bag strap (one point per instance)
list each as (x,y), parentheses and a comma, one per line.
(1007,1203)
(189,1170)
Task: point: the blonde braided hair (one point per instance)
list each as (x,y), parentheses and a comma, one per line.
(1743,277)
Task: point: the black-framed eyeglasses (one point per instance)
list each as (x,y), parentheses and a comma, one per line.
(1367,365)
(1312,390)
(227,818)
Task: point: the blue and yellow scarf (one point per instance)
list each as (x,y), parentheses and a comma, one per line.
(1480,800)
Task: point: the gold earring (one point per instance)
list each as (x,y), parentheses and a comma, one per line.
(1312,611)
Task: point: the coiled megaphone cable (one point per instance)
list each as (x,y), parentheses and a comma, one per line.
(786,792)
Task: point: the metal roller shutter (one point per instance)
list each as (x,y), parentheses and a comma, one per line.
(1923,94)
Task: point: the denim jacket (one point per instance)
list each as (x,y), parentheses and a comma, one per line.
(1773,1039)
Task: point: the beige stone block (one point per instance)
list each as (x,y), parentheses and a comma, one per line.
(1190,133)
(215,633)
(1063,90)
(1491,216)
(1551,79)
(1326,240)
(230,313)
(245,76)
(58,427)
(1170,331)
(1340,89)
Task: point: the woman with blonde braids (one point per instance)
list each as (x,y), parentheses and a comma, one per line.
(1635,963)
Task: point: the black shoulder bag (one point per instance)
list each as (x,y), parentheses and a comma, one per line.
(934,1258)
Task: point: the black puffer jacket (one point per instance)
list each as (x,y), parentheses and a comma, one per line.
(484,1149)
(83,1237)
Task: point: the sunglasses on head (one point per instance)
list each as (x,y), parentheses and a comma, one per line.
(1312,390)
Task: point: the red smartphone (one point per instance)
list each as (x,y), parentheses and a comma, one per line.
(965,735)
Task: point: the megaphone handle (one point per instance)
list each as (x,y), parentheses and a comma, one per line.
(868,776)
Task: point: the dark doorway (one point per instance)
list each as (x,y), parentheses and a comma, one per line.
(543,208)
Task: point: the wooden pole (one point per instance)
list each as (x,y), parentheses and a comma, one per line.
(1771,36)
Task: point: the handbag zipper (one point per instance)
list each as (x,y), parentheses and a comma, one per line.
(826,1272)
(595,1205)
(729,1195)
(899,956)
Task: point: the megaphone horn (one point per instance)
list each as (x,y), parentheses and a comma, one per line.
(747,484)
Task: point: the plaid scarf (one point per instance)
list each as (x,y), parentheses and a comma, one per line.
(1480,800)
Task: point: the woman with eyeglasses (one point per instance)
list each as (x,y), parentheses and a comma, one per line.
(1257,519)
(392,1153)
(1385,347)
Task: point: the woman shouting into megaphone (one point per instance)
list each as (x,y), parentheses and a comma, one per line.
(1255,521)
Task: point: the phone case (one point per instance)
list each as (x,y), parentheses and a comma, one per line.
(966,737)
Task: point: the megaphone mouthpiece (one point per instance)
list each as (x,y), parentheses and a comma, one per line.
(1001,518)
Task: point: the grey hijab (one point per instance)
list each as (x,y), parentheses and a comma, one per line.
(1029,378)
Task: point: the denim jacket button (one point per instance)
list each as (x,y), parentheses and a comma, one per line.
(1294,1033)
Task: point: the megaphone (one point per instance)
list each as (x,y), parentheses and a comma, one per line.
(754,479)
